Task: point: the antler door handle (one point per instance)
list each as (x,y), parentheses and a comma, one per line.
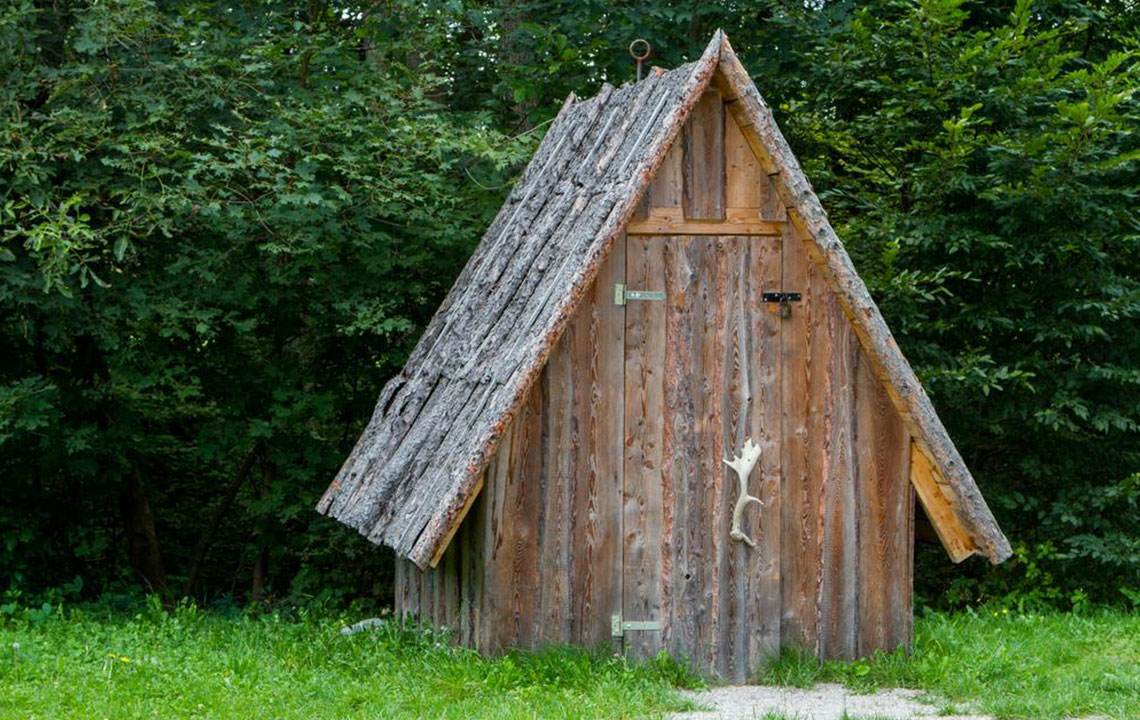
(743,464)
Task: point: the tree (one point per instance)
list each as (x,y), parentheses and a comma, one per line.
(223,226)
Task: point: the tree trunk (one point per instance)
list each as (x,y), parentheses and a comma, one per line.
(142,541)
(207,537)
(515,54)
(261,565)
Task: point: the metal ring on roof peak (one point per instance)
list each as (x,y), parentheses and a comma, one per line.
(639,57)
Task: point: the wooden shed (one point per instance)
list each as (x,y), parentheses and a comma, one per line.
(661,295)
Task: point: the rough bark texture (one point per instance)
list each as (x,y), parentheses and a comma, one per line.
(439,422)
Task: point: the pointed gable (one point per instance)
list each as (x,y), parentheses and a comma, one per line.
(419,464)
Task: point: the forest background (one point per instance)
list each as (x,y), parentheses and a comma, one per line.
(223,226)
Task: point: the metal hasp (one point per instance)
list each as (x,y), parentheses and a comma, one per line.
(783,298)
(618,627)
(622,294)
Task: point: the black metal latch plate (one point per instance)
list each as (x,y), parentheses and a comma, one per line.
(783,298)
(780,297)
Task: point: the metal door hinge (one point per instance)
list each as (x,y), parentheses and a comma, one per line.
(618,627)
(783,298)
(622,294)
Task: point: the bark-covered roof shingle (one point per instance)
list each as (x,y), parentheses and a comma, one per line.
(438,422)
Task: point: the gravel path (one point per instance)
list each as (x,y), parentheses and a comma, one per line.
(822,702)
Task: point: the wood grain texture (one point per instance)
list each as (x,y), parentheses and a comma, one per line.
(644,501)
(538,559)
(703,180)
(670,221)
(885,517)
(597,366)
(715,349)
(935,495)
(746,184)
(665,188)
(805,349)
(839,591)
(764,348)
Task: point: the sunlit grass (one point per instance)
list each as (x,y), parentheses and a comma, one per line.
(191,665)
(1027,666)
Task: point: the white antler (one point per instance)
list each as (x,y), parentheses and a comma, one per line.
(743,464)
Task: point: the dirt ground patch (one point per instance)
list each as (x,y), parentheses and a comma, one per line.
(823,702)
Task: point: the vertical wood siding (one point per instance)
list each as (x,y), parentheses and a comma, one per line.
(609,494)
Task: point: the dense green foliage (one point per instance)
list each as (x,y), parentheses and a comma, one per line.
(224,224)
(149,662)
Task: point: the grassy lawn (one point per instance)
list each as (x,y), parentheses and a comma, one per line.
(1031,667)
(190,664)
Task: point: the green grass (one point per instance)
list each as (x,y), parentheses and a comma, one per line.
(197,665)
(1023,667)
(187,664)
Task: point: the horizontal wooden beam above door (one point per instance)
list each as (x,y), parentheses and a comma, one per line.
(671,221)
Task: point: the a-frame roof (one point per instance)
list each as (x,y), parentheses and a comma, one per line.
(419,463)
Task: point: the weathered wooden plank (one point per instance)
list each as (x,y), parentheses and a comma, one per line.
(420,457)
(885,506)
(643,518)
(400,588)
(764,355)
(426,615)
(496,615)
(840,587)
(526,471)
(478,519)
(449,569)
(597,358)
(907,582)
(512,552)
(736,587)
(828,253)
(559,463)
(804,360)
(665,189)
(469,545)
(670,221)
(744,178)
(711,259)
(747,184)
(684,565)
(703,160)
(936,501)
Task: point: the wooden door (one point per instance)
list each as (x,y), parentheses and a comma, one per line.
(702,374)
